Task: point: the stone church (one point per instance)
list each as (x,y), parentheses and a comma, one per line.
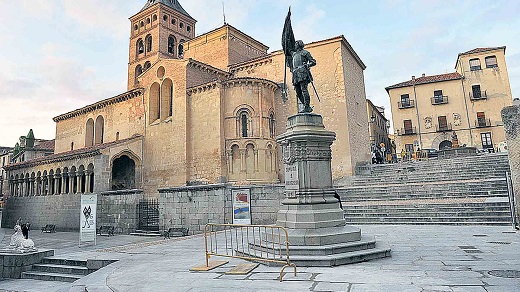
(199,110)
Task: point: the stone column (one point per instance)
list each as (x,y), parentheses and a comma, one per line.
(33,189)
(72,179)
(87,181)
(511,119)
(243,167)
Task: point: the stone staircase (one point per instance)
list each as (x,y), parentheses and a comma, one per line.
(63,270)
(457,191)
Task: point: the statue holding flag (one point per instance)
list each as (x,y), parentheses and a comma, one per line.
(299,62)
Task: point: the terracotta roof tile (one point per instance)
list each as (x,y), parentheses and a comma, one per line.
(480,50)
(46,145)
(78,153)
(427,79)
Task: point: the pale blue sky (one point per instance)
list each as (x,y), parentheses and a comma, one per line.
(60,55)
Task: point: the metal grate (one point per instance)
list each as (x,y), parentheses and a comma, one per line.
(148,214)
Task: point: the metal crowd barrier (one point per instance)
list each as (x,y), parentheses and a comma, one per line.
(259,243)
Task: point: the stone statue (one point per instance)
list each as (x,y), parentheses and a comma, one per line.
(299,62)
(18,241)
(302,60)
(454,140)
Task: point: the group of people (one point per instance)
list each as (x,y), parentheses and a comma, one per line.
(381,154)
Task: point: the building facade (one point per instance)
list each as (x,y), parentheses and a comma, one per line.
(378,124)
(427,110)
(198,111)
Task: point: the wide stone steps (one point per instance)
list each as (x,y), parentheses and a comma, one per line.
(46,276)
(323,255)
(63,270)
(466,190)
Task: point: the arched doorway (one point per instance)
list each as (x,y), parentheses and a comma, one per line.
(123,173)
(445,145)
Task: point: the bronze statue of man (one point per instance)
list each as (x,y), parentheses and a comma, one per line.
(302,60)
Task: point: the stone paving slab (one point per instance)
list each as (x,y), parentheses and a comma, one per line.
(424,259)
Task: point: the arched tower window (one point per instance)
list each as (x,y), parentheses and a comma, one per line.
(181,49)
(171,45)
(154,102)
(140,47)
(147,65)
(99,130)
(138,72)
(148,43)
(271,125)
(166,99)
(244,124)
(89,133)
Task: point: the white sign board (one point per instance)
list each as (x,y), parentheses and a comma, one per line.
(241,206)
(87,228)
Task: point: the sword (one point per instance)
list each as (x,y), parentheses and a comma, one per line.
(314,87)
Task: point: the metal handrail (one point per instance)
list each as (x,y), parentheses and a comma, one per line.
(247,243)
(512,203)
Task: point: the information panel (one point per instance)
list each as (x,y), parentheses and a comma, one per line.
(87,233)
(241,206)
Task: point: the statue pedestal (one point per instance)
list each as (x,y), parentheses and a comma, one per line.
(318,234)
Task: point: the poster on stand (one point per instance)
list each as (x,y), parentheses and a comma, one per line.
(87,228)
(241,206)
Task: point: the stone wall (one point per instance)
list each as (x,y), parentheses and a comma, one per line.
(60,210)
(194,207)
(119,209)
(511,119)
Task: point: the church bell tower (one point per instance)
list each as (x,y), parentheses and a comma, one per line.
(158,31)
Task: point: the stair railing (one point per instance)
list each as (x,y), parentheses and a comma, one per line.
(512,203)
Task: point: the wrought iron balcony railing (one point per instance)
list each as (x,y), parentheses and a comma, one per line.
(444,128)
(406,104)
(482,95)
(483,123)
(440,99)
(407,131)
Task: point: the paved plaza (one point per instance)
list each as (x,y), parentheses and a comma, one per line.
(424,259)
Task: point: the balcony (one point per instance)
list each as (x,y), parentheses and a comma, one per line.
(483,123)
(407,131)
(482,95)
(406,104)
(440,99)
(444,128)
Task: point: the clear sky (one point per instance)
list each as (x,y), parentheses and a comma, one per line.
(60,55)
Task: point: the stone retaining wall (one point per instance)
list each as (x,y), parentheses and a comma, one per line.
(191,207)
(60,210)
(194,207)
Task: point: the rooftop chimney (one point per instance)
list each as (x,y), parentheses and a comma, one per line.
(423,75)
(413,77)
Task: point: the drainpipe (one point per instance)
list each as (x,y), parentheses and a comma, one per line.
(417,112)
(467,110)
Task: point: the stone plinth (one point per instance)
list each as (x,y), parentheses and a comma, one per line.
(318,234)
(13,263)
(309,196)
(511,119)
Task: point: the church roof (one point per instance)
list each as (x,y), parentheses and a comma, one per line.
(170,3)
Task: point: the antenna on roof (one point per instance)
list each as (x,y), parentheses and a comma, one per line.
(224,12)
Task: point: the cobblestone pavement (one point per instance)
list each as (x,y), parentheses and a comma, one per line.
(424,259)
